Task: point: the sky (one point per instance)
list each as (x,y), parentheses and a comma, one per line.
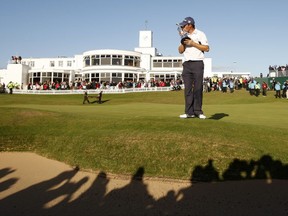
(243,35)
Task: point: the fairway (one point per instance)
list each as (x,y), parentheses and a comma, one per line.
(135,130)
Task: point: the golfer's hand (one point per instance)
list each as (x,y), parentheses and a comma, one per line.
(189,43)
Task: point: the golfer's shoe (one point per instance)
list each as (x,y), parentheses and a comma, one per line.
(201,116)
(186,116)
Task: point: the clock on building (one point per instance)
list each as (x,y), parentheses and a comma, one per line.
(145,39)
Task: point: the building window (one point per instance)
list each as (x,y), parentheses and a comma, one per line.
(94,75)
(95,60)
(55,75)
(128,75)
(116,59)
(116,75)
(167,63)
(31,64)
(69,63)
(128,60)
(157,63)
(52,64)
(177,62)
(137,62)
(105,75)
(86,61)
(105,59)
(60,64)
(36,74)
(142,76)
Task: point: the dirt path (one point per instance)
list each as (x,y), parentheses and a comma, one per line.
(34,185)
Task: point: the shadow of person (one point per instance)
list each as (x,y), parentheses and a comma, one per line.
(6,171)
(237,197)
(89,202)
(218,116)
(64,193)
(207,173)
(267,168)
(34,199)
(239,170)
(132,199)
(165,205)
(264,168)
(6,184)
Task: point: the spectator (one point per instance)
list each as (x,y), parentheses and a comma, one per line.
(231,85)
(86,98)
(3,88)
(285,89)
(257,89)
(278,90)
(224,86)
(251,86)
(10,87)
(264,89)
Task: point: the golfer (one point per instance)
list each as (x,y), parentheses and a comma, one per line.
(193,50)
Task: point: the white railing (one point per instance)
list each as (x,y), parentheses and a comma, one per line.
(91,91)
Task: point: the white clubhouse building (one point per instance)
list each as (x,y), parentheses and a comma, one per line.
(108,65)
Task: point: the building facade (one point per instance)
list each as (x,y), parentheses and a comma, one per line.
(105,65)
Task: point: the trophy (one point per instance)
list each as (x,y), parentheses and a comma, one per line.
(183,34)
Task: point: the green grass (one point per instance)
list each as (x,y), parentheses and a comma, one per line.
(143,129)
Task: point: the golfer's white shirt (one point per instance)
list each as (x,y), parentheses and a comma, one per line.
(192,53)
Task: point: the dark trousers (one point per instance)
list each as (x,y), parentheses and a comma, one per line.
(86,99)
(193,81)
(257,92)
(278,94)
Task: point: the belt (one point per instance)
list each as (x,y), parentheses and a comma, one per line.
(195,61)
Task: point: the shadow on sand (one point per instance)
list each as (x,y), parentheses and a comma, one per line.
(245,188)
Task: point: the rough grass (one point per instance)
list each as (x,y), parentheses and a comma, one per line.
(143,129)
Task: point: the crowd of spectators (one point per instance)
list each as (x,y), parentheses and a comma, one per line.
(250,84)
(84,85)
(226,84)
(209,84)
(16,59)
(278,68)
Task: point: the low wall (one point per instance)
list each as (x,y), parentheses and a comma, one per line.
(93,91)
